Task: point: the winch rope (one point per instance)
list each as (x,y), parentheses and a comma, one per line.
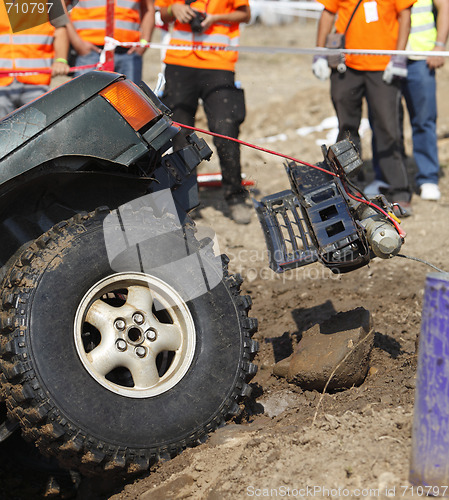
(369,203)
(420,260)
(254,146)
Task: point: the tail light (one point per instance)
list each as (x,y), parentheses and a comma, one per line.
(128,100)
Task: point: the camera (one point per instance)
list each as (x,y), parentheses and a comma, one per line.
(195,23)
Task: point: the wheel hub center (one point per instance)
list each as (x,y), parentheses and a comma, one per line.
(135,336)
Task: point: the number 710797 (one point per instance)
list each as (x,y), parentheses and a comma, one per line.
(28,8)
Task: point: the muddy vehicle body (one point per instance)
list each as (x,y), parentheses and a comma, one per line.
(124,338)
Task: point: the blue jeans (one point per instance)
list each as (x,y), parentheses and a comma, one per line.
(17,94)
(419,91)
(129,65)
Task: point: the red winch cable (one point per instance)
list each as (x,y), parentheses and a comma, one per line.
(214,134)
(393,220)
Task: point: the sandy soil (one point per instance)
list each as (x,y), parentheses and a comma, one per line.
(361,437)
(288,439)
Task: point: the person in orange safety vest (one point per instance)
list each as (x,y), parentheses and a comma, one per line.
(26,43)
(133,22)
(209,75)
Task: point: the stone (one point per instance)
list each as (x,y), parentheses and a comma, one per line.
(173,488)
(345,336)
(277,403)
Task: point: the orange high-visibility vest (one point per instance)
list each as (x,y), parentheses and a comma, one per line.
(89,19)
(25,50)
(219,34)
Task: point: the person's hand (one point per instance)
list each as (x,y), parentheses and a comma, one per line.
(208,21)
(137,50)
(396,68)
(59,68)
(320,67)
(182,12)
(83,47)
(434,62)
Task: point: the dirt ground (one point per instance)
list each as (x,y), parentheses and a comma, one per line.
(355,441)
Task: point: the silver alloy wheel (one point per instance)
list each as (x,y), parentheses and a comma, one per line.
(141,335)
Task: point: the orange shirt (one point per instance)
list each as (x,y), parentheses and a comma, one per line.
(217,35)
(380,34)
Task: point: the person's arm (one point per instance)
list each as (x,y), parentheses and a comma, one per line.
(61,46)
(179,11)
(146,25)
(241,14)
(442,7)
(320,65)
(404,19)
(325,25)
(82,47)
(184,14)
(397,67)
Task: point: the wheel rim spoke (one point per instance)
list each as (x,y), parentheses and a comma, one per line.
(144,372)
(104,358)
(101,315)
(140,298)
(169,338)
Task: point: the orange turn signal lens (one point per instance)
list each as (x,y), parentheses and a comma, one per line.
(126,98)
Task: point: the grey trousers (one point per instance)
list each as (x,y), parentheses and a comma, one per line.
(17,94)
(347,91)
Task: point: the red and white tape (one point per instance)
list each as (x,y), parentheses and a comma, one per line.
(110,45)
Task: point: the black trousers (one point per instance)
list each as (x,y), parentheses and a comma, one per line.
(224,106)
(347,91)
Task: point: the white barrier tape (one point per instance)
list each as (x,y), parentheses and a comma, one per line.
(273,5)
(109,44)
(283,8)
(277,50)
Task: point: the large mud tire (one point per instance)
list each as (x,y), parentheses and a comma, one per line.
(64,406)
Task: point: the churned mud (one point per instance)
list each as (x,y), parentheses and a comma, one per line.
(289,442)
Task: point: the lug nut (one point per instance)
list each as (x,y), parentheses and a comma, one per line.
(138,318)
(119,324)
(141,351)
(151,334)
(121,345)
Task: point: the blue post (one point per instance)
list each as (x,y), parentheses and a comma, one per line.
(430,439)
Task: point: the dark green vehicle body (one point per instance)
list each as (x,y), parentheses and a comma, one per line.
(71,151)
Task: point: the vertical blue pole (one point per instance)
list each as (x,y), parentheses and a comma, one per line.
(430,438)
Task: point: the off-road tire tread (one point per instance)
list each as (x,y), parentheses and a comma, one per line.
(44,423)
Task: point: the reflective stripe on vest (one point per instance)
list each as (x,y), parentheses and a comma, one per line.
(423,32)
(186,36)
(6,64)
(101,25)
(33,63)
(126,4)
(32,40)
(89,19)
(27,50)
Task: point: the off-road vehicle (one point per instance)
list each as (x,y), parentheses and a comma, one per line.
(123,336)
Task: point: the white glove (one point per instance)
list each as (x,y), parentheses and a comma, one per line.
(396,68)
(320,68)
